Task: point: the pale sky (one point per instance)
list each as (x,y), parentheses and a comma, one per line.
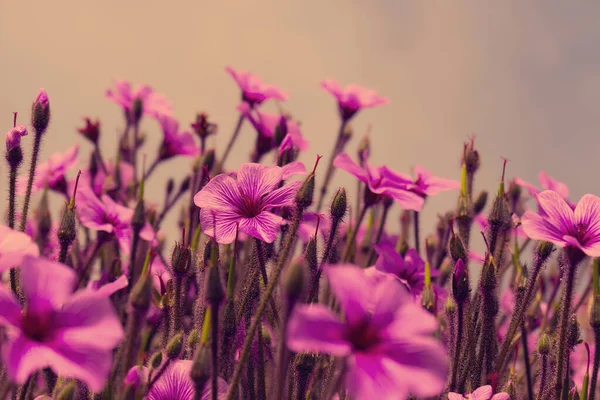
(523,77)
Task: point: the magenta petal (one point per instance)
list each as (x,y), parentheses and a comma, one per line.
(265,226)
(407,200)
(221,225)
(587,213)
(284,196)
(374,377)
(352,289)
(43,279)
(482,393)
(344,162)
(110,288)
(292,169)
(315,328)
(10,311)
(558,211)
(537,228)
(221,193)
(14,246)
(455,396)
(549,183)
(255,180)
(533,191)
(501,396)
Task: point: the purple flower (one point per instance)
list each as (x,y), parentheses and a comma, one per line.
(386,337)
(352,98)
(72,333)
(175,142)
(381,181)
(426,184)
(547,182)
(245,201)
(105,215)
(481,393)
(14,246)
(174,383)
(13,137)
(560,225)
(254,90)
(91,130)
(52,172)
(153,104)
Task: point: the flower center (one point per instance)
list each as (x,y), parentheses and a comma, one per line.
(37,325)
(581,230)
(363,335)
(250,208)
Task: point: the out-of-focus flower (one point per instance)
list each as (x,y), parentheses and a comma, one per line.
(72,333)
(52,172)
(352,98)
(481,393)
(384,346)
(105,215)
(13,136)
(176,143)
(380,181)
(547,182)
(153,104)
(174,383)
(254,90)
(14,245)
(564,227)
(425,183)
(91,130)
(226,203)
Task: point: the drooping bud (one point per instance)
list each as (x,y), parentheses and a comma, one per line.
(294,280)
(214,291)
(480,202)
(13,137)
(460,282)
(175,346)
(91,130)
(156,359)
(543,345)
(339,205)
(40,113)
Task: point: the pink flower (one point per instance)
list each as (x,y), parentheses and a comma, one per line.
(245,202)
(380,181)
(13,137)
(560,225)
(352,98)
(426,184)
(547,182)
(254,90)
(481,393)
(153,104)
(105,215)
(52,172)
(41,99)
(385,337)
(175,142)
(14,245)
(102,182)
(72,333)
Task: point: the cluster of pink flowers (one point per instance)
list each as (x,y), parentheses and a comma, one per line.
(266,296)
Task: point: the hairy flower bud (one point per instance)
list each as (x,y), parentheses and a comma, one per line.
(214,289)
(67,231)
(156,359)
(40,113)
(480,202)
(181,259)
(543,345)
(141,294)
(460,282)
(428,298)
(67,392)
(174,346)
(544,250)
(294,280)
(488,275)
(203,127)
(472,160)
(573,331)
(311,256)
(339,205)
(450,307)
(201,368)
(456,248)
(304,197)
(193,338)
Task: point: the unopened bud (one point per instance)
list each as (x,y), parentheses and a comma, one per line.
(428,298)
(339,205)
(281,129)
(141,293)
(174,346)
(310,255)
(156,359)
(181,259)
(91,130)
(294,280)
(480,202)
(67,231)
(472,160)
(214,288)
(201,368)
(488,275)
(456,248)
(543,345)
(460,282)
(573,331)
(193,338)
(304,197)
(40,113)
(544,250)
(450,306)
(13,137)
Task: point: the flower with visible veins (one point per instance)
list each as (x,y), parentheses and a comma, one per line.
(153,104)
(352,98)
(387,353)
(559,224)
(14,245)
(481,393)
(72,333)
(175,142)
(254,90)
(52,173)
(380,181)
(226,203)
(105,215)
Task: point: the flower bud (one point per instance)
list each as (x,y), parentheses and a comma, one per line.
(67,231)
(304,197)
(214,292)
(141,294)
(201,368)
(40,113)
(310,255)
(13,137)
(174,346)
(281,130)
(67,392)
(573,331)
(156,360)
(450,307)
(543,345)
(456,248)
(339,205)
(294,280)
(488,275)
(181,259)
(203,127)
(193,338)
(428,298)
(544,249)
(460,282)
(91,130)
(480,202)
(472,159)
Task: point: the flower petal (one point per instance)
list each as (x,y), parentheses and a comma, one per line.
(10,311)
(407,200)
(537,228)
(344,162)
(482,393)
(43,279)
(221,193)
(14,245)
(558,211)
(375,377)
(256,180)
(315,328)
(219,224)
(265,226)
(284,196)
(353,289)
(549,183)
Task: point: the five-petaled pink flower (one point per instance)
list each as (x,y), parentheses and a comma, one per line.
(386,337)
(559,224)
(153,104)
(14,245)
(247,201)
(105,215)
(380,181)
(175,142)
(72,333)
(254,90)
(52,172)
(352,98)
(481,393)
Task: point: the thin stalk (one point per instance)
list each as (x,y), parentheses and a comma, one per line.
(526,361)
(417,233)
(314,291)
(371,257)
(152,167)
(234,136)
(90,261)
(458,342)
(260,370)
(34,159)
(596,366)
(543,376)
(177,313)
(12,197)
(330,170)
(134,149)
(352,238)
(282,364)
(215,348)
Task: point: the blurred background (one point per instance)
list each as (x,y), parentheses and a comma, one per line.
(523,78)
